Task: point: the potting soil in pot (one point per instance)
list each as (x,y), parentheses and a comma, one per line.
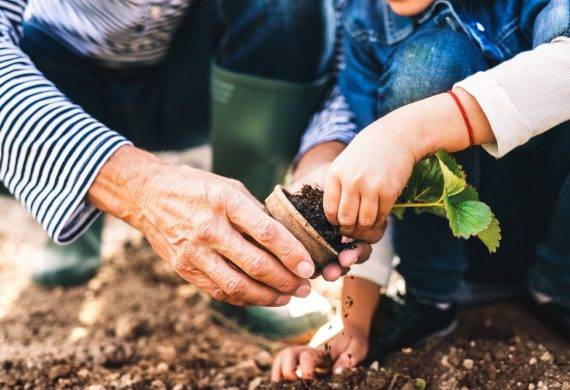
(309,203)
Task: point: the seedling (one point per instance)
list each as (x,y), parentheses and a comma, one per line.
(437,185)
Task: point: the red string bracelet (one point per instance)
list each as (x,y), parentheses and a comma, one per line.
(464,114)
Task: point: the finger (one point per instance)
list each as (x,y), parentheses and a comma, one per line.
(348,210)
(331,198)
(308,360)
(271,235)
(289,363)
(372,235)
(260,265)
(204,283)
(276,367)
(349,256)
(237,285)
(332,272)
(344,361)
(367,212)
(365,250)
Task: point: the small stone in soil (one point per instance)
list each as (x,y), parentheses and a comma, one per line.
(309,203)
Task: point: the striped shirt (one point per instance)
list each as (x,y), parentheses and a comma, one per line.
(50,149)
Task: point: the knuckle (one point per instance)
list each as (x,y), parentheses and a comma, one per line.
(181,266)
(218,295)
(218,196)
(266,230)
(345,219)
(366,222)
(235,288)
(206,231)
(257,266)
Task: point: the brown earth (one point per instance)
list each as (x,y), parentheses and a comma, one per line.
(136,325)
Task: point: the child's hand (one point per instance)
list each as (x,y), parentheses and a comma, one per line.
(364,181)
(347,349)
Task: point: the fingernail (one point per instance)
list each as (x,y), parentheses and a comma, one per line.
(282,300)
(303,291)
(337,371)
(305,269)
(347,258)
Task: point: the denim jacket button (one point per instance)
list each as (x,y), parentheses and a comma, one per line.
(480,27)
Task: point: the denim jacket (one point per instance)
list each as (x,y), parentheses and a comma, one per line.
(501,28)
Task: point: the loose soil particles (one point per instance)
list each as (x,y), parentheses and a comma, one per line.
(309,203)
(137,325)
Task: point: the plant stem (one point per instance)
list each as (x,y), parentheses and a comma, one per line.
(407,205)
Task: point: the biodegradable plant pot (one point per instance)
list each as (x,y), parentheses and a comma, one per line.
(281,209)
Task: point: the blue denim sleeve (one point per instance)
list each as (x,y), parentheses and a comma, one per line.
(544,21)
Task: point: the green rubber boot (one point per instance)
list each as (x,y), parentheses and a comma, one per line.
(72,264)
(257,124)
(256,127)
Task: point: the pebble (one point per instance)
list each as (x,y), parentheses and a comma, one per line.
(468,364)
(179,386)
(263,359)
(157,384)
(531,386)
(254,384)
(162,368)
(546,356)
(96,387)
(59,371)
(532,362)
(375,365)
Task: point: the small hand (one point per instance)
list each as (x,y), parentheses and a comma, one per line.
(347,349)
(364,181)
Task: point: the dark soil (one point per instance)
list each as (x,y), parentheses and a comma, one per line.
(137,325)
(309,203)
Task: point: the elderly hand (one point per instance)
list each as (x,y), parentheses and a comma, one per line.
(213,232)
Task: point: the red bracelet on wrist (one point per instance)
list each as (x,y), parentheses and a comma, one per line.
(464,115)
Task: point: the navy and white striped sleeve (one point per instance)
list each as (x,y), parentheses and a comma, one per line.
(50,149)
(334,121)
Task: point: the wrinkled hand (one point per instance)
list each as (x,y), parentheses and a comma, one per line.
(211,229)
(217,237)
(347,349)
(365,180)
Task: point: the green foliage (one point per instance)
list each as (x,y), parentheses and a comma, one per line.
(438,185)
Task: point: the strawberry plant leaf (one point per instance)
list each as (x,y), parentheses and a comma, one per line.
(453,178)
(491,236)
(438,185)
(467,217)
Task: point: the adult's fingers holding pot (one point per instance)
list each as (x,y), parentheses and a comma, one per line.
(235,286)
(271,235)
(260,264)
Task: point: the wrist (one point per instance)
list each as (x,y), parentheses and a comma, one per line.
(119,186)
(321,155)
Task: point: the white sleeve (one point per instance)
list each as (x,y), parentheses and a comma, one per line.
(525,96)
(379,267)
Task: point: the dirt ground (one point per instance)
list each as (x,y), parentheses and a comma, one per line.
(136,325)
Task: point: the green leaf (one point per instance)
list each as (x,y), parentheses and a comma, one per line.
(467,217)
(425,184)
(491,236)
(453,176)
(399,212)
(450,163)
(438,185)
